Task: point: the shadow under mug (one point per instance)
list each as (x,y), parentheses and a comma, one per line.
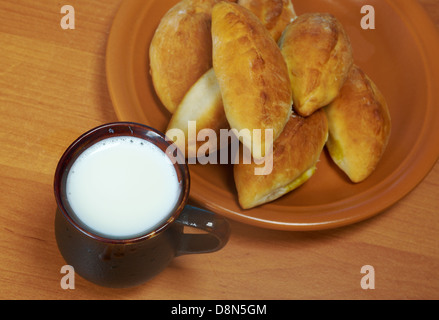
(120,263)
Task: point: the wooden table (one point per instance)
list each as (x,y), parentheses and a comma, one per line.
(53,88)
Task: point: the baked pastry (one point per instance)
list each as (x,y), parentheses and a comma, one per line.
(203,105)
(181,50)
(252,75)
(359,126)
(319,56)
(274,14)
(294,159)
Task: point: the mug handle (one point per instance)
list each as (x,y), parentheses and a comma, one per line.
(217,228)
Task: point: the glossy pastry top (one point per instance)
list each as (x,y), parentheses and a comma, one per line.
(181,50)
(274,14)
(294,160)
(251,71)
(319,55)
(359,126)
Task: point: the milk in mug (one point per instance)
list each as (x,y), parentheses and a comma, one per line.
(123,187)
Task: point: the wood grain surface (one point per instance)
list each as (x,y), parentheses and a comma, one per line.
(53,88)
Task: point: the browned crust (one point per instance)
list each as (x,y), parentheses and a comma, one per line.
(251,71)
(296,150)
(274,14)
(359,126)
(319,56)
(181,50)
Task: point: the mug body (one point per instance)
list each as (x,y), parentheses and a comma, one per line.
(116,262)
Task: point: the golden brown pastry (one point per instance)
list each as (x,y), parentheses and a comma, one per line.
(181,50)
(295,155)
(359,126)
(252,74)
(319,56)
(274,14)
(202,108)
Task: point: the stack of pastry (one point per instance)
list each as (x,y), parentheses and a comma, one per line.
(255,64)
(323,76)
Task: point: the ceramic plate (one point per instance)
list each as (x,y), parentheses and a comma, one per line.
(400,55)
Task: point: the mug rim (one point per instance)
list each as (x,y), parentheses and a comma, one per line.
(95,135)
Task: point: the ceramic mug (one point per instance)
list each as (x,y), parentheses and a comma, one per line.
(132,260)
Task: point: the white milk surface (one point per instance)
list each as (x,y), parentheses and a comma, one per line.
(123,187)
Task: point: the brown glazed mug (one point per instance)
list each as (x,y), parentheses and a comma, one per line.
(120,263)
